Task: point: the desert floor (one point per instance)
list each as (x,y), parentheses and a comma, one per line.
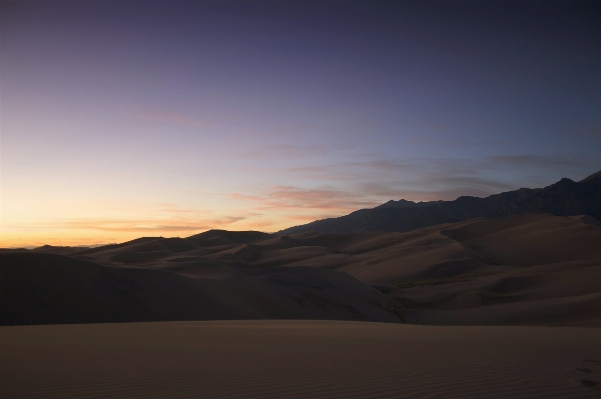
(298,359)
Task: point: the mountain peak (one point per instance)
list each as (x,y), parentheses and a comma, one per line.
(403,203)
(563,198)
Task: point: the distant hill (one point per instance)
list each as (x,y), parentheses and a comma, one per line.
(529,260)
(564,198)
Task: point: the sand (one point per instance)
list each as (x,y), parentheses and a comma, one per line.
(519,270)
(52,289)
(298,359)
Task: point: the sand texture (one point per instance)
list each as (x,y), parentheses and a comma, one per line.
(298,359)
(529,269)
(52,289)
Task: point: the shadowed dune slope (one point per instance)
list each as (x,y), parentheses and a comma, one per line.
(522,269)
(211,237)
(47,289)
(298,359)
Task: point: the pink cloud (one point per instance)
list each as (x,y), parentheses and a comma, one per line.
(178,119)
(289,198)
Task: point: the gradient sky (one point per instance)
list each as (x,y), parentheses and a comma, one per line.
(128,119)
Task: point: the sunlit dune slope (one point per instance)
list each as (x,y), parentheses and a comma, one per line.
(523,269)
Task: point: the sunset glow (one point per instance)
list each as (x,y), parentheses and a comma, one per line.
(129,119)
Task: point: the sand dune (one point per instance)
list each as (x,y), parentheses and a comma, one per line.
(220,237)
(466,283)
(524,269)
(285,256)
(298,359)
(47,289)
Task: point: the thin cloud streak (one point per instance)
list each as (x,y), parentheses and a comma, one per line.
(174,118)
(290,198)
(429,171)
(535,160)
(370,183)
(148,225)
(289,152)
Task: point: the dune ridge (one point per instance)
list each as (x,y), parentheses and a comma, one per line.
(528,269)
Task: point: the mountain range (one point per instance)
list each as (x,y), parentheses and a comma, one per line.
(530,256)
(563,198)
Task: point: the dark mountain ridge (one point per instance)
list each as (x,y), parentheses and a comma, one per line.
(563,198)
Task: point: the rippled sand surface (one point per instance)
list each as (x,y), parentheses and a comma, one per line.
(298,359)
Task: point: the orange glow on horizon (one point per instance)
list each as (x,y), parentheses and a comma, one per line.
(100,232)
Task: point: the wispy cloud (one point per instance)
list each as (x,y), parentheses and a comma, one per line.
(307,204)
(365,184)
(146,225)
(290,199)
(593,131)
(429,124)
(286,151)
(588,131)
(542,161)
(433,188)
(445,142)
(173,118)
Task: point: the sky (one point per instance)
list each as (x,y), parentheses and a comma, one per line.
(139,118)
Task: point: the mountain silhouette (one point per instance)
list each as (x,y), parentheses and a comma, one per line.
(563,198)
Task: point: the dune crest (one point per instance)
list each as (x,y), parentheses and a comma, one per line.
(525,269)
